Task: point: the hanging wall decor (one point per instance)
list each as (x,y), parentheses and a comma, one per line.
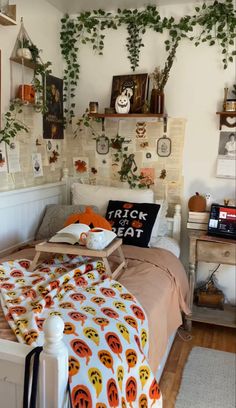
(102,145)
(53,127)
(210,24)
(164,146)
(133,86)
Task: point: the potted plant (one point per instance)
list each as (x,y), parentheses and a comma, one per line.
(159,78)
(23,50)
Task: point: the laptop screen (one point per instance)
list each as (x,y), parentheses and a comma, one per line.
(222,221)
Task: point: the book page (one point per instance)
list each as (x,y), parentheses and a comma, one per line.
(74,229)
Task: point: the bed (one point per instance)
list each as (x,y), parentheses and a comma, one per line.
(140,280)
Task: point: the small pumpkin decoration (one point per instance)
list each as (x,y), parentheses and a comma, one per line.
(90,218)
(197,203)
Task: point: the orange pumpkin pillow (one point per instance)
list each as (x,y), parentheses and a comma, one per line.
(89,218)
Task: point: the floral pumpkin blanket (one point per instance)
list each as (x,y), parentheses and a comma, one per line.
(106,329)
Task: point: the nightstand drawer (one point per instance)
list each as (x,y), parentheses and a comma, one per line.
(216,252)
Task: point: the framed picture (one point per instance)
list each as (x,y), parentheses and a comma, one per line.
(164,146)
(135,86)
(102,145)
(53,120)
(227,144)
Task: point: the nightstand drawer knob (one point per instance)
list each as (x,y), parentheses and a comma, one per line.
(227,254)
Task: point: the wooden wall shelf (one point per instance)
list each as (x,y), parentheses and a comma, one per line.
(23,61)
(131,116)
(127,115)
(224,116)
(10,18)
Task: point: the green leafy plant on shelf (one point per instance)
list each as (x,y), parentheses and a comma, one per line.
(211,23)
(12,124)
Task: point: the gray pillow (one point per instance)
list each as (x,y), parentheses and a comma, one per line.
(55,216)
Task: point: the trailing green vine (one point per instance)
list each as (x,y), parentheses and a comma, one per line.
(40,72)
(128,167)
(212,23)
(13,124)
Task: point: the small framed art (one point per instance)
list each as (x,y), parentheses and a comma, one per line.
(53,122)
(164,146)
(102,145)
(134,86)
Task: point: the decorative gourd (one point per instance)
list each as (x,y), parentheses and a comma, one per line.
(122,104)
(197,203)
(90,218)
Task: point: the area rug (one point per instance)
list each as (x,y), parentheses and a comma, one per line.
(208,380)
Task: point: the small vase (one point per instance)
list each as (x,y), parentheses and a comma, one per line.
(157,102)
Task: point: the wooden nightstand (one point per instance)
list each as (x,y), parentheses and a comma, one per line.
(210,249)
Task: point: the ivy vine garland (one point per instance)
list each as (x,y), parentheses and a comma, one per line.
(214,23)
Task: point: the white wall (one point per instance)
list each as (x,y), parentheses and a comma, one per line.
(42,22)
(195,91)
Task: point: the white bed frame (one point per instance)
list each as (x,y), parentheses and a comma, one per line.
(23,208)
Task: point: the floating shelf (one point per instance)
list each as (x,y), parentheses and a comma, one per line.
(127,115)
(131,116)
(23,61)
(10,19)
(224,116)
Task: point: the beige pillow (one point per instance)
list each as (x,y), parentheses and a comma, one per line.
(54,218)
(100,195)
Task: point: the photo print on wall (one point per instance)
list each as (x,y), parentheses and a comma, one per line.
(53,120)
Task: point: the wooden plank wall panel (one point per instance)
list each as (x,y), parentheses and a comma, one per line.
(21,210)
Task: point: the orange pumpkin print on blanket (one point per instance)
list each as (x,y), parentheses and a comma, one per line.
(105,330)
(81,397)
(81,349)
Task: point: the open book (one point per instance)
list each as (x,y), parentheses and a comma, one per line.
(72,235)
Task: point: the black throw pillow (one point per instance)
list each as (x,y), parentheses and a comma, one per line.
(133,222)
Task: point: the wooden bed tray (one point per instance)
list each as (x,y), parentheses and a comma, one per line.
(56,248)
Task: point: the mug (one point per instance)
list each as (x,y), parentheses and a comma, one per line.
(93,239)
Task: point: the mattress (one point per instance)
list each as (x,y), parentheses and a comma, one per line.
(158,280)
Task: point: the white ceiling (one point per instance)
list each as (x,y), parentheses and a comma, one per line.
(76,6)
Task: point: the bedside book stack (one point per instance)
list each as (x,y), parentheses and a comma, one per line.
(198,220)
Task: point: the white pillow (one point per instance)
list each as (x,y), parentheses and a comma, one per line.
(88,194)
(166,243)
(160,227)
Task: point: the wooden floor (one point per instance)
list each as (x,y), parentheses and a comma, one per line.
(204,335)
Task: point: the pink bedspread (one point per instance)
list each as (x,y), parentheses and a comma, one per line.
(158,280)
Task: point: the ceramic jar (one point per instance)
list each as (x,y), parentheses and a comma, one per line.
(24,53)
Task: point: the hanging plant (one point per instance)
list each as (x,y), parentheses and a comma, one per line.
(217,24)
(13,124)
(213,24)
(86,121)
(40,72)
(128,168)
